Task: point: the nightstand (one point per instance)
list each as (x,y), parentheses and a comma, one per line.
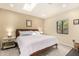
(8,42)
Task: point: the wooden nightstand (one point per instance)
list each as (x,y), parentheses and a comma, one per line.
(8,43)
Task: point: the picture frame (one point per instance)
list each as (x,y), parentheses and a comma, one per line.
(76,21)
(28,23)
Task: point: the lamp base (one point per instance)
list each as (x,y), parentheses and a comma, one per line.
(9,36)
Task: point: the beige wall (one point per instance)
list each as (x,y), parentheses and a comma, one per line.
(50,27)
(11,21)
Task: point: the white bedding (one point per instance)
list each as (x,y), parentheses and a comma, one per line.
(33,43)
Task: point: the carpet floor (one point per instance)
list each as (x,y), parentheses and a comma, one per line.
(62,50)
(73,52)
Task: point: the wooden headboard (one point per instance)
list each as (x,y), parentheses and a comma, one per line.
(17,31)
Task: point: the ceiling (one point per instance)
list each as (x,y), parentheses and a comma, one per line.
(42,10)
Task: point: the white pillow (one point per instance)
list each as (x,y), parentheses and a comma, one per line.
(25,33)
(36,33)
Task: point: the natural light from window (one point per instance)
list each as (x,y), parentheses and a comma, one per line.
(29,6)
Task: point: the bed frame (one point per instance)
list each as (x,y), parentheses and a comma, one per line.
(37,52)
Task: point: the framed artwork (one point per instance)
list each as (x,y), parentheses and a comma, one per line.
(28,23)
(62,27)
(76,21)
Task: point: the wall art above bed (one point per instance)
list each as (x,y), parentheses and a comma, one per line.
(28,23)
(62,27)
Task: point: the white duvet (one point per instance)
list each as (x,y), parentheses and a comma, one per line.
(33,43)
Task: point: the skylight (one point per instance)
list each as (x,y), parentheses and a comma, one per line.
(29,6)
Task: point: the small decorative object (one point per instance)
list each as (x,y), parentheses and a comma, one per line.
(28,23)
(62,27)
(76,21)
(41,32)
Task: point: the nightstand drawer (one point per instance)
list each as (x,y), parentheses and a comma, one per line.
(6,45)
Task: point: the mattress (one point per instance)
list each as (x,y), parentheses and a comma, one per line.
(33,43)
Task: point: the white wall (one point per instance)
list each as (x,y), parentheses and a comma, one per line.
(50,27)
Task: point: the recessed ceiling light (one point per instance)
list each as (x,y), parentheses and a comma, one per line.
(64,5)
(11,5)
(29,6)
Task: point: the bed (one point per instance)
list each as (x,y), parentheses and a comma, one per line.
(32,45)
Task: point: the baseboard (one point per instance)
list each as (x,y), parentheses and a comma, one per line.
(68,45)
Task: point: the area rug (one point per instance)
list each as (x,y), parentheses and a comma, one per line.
(73,52)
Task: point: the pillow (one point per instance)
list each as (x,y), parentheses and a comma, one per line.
(36,33)
(25,33)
